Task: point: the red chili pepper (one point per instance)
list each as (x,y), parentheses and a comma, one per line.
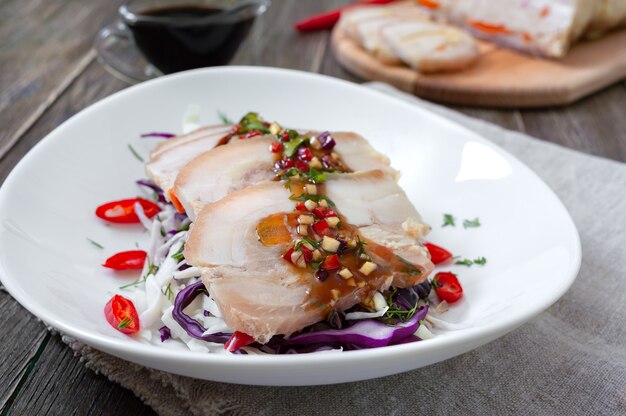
(328,19)
(250,135)
(447,287)
(287,255)
(276,147)
(238,340)
(321,228)
(122,315)
(331,262)
(301,207)
(126,260)
(322,212)
(304,153)
(123,211)
(302,166)
(307,254)
(285,136)
(437,254)
(286,163)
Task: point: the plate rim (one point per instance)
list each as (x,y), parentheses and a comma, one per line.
(110,344)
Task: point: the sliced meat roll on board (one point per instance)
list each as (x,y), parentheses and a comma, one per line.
(242,163)
(169,156)
(542,27)
(363,25)
(262,294)
(430,47)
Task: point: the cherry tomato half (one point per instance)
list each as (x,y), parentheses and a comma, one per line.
(437,254)
(447,287)
(238,340)
(121,314)
(123,211)
(126,260)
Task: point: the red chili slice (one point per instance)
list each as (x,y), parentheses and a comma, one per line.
(287,255)
(123,211)
(126,260)
(276,147)
(331,262)
(430,4)
(238,340)
(302,166)
(301,207)
(321,228)
(250,135)
(122,315)
(437,254)
(286,163)
(448,287)
(304,153)
(307,254)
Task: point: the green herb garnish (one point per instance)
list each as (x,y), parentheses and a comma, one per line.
(100,246)
(290,148)
(306,239)
(224,118)
(135,283)
(471,223)
(178,256)
(134,152)
(168,291)
(316,176)
(252,122)
(481,261)
(360,248)
(411,268)
(448,219)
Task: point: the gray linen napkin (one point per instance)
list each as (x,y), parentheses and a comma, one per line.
(571,360)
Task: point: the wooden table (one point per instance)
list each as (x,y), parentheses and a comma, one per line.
(48,72)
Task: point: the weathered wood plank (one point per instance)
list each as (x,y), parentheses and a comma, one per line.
(45,46)
(59,384)
(22,336)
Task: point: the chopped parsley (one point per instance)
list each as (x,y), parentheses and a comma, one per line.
(134,152)
(100,246)
(448,219)
(480,261)
(471,223)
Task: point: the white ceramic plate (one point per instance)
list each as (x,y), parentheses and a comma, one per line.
(47,212)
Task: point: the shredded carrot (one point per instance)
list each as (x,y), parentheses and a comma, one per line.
(179,207)
(489,28)
(430,4)
(527,37)
(544,12)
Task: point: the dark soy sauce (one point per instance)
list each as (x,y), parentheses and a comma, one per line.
(183,41)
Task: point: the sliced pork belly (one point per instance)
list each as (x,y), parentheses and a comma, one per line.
(169,156)
(261,294)
(242,163)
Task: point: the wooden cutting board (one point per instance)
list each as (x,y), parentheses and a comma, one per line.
(501,77)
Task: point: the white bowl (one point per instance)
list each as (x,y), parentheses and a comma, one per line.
(47,211)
